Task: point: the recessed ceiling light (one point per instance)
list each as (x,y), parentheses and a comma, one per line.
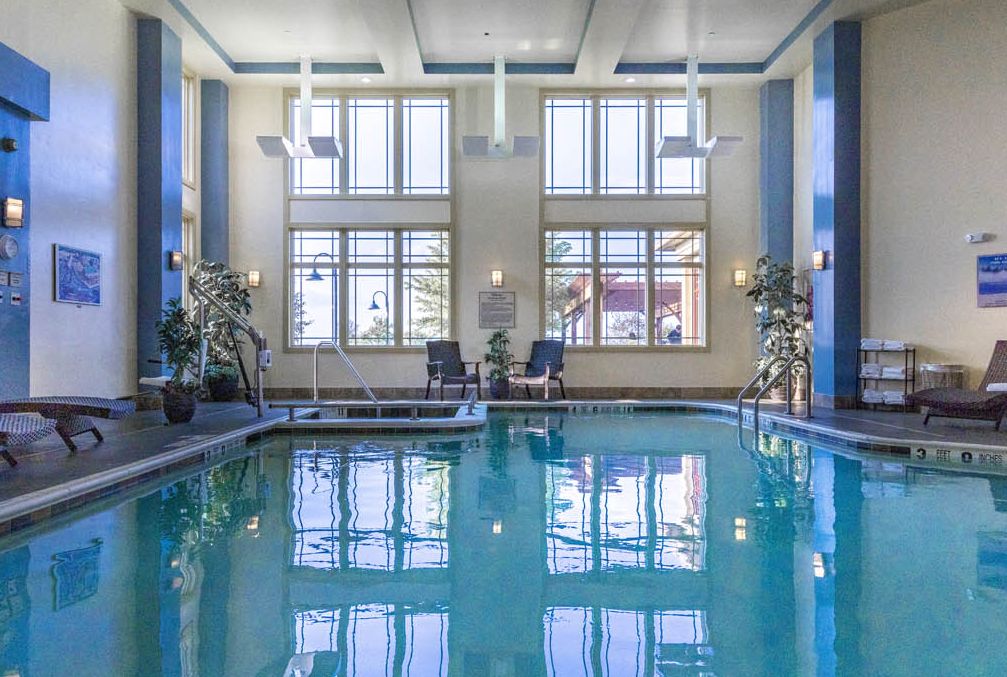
(712,33)
(365,80)
(630,79)
(486,35)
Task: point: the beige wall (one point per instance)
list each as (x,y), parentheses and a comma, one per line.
(83,183)
(934,95)
(497,222)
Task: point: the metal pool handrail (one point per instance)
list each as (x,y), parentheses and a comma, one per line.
(353,370)
(787,370)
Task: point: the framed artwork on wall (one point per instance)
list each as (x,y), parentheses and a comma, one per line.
(77,276)
(991,280)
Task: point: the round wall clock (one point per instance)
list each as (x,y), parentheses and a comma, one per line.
(8,247)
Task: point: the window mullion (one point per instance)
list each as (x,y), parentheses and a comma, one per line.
(396,310)
(344,166)
(595,144)
(596,314)
(397,177)
(651,303)
(651,144)
(343,291)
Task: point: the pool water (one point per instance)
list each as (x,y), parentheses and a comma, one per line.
(549,544)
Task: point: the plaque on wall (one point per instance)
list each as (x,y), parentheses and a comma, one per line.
(497,309)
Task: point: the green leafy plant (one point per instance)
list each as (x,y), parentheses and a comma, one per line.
(779,311)
(498,356)
(229,287)
(178,340)
(220,372)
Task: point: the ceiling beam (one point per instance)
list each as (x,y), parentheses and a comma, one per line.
(607,30)
(393,34)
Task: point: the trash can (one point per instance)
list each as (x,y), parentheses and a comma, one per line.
(942,376)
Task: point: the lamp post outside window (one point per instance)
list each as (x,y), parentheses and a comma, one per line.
(374,306)
(316,276)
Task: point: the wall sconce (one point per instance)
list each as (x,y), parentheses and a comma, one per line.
(818,259)
(253,278)
(496,278)
(175,260)
(497,527)
(740,278)
(13,212)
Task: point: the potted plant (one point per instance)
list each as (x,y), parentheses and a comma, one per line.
(228,286)
(499,360)
(178,339)
(779,316)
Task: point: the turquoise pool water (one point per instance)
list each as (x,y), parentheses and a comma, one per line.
(643,544)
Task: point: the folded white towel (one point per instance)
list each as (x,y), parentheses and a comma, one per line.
(870,370)
(872,396)
(896,345)
(997,388)
(872,344)
(893,372)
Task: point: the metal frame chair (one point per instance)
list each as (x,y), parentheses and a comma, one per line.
(544,365)
(445,365)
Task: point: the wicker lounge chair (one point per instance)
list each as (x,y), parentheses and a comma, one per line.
(971,404)
(545,364)
(445,365)
(19,429)
(72,414)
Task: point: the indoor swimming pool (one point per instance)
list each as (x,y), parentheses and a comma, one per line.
(547,544)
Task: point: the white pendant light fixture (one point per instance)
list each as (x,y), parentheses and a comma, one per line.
(307,146)
(479,146)
(690,146)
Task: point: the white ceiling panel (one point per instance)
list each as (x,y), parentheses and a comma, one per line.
(521,30)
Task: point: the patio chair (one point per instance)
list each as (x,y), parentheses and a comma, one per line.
(72,414)
(545,364)
(19,429)
(445,365)
(969,404)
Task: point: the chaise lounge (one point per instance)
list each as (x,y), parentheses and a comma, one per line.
(20,429)
(981,404)
(72,414)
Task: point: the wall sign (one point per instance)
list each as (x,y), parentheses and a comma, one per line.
(78,275)
(991,280)
(497,309)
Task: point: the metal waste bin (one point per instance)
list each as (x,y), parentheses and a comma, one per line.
(942,376)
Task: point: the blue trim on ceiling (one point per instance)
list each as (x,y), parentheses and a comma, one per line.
(756,68)
(24,85)
(678,68)
(317,67)
(203,33)
(510,68)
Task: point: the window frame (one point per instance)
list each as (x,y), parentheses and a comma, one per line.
(189,142)
(595,96)
(397,96)
(342,268)
(650,267)
(190,253)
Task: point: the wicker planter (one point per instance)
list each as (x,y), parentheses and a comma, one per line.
(500,390)
(222,388)
(178,406)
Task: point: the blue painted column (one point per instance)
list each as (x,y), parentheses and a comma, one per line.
(214,178)
(24,97)
(836,178)
(776,170)
(159,181)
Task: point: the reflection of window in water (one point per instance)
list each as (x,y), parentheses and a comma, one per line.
(371,513)
(594,641)
(376,639)
(609,512)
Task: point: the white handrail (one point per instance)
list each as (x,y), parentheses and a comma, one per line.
(353,370)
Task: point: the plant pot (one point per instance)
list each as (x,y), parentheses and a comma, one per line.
(222,388)
(500,390)
(178,406)
(778,393)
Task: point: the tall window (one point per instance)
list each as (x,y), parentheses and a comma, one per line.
(369,287)
(377,160)
(625,286)
(188,129)
(623,161)
(189,254)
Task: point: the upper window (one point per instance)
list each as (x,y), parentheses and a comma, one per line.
(369,287)
(649,284)
(377,161)
(623,160)
(188,129)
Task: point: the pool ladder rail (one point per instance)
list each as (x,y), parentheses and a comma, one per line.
(786,371)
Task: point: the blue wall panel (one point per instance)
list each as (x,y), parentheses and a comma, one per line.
(836,179)
(24,85)
(159,180)
(776,169)
(214,182)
